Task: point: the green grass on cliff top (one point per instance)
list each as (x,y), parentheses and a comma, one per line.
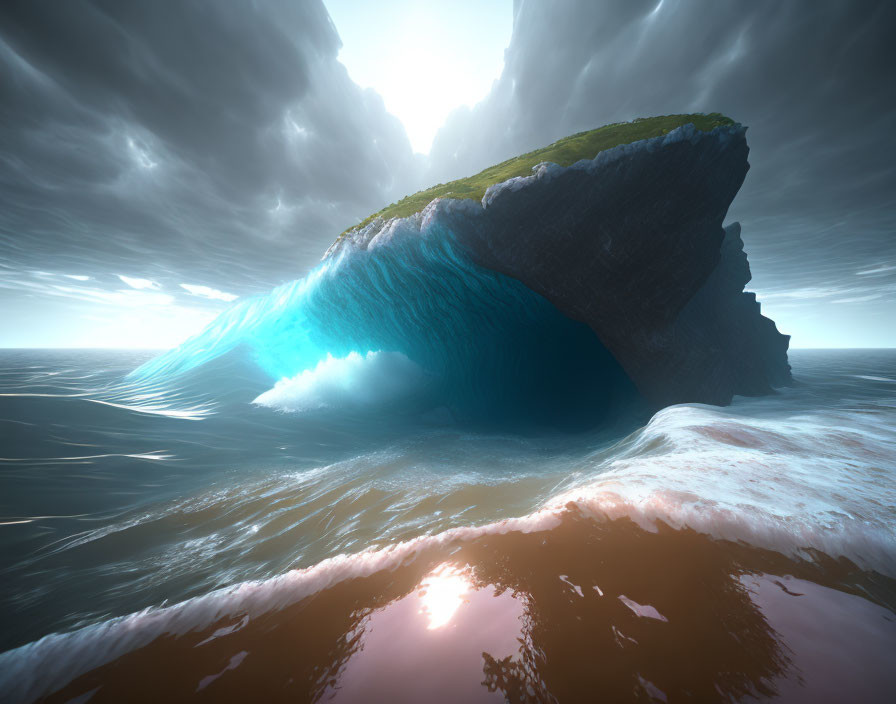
(566,151)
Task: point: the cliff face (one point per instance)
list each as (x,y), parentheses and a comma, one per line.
(632,244)
(722,338)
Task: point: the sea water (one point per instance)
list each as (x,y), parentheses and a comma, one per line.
(304,543)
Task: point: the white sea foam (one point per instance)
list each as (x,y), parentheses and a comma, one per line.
(813,481)
(785,484)
(353,380)
(769,472)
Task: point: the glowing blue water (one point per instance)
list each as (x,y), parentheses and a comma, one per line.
(489,347)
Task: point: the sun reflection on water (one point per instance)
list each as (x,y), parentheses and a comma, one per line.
(442,592)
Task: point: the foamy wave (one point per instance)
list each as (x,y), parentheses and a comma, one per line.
(25,677)
(788,485)
(355,380)
(817,480)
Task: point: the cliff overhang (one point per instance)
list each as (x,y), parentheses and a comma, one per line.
(631,243)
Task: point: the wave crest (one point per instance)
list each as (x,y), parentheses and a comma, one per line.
(493,350)
(352,381)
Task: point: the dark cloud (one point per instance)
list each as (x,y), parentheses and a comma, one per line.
(186,142)
(812,79)
(222,144)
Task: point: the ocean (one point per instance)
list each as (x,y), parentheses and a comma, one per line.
(302,545)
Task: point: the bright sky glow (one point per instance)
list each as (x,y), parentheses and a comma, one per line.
(152,327)
(121,324)
(424,58)
(102,313)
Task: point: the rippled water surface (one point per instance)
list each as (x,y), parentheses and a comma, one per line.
(116,498)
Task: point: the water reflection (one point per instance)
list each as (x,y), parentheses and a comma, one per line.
(428,644)
(583,611)
(442,592)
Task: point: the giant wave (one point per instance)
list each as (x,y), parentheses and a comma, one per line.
(564,298)
(490,348)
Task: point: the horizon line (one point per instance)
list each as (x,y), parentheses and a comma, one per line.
(166,349)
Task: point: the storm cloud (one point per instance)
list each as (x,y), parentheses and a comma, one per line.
(813,81)
(164,154)
(218,145)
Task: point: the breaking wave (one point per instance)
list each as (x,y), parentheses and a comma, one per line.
(352,381)
(792,486)
(491,349)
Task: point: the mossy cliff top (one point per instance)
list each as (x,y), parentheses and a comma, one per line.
(566,151)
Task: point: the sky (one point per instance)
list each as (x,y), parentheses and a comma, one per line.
(161,160)
(449,53)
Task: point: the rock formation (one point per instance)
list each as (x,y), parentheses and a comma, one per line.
(632,244)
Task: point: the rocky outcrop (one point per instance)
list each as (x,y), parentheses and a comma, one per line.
(632,244)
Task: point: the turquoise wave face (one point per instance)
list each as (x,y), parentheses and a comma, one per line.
(482,344)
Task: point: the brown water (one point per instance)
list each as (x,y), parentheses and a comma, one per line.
(151,551)
(583,611)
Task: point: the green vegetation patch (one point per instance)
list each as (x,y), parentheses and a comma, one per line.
(566,151)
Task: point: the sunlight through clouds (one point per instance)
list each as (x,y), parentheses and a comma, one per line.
(456,52)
